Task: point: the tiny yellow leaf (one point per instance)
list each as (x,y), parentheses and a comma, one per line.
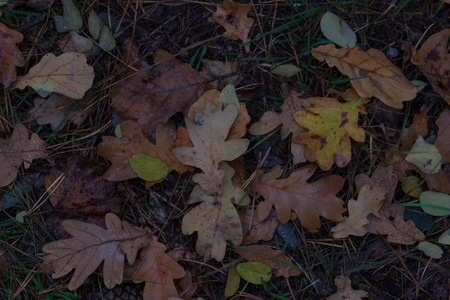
(148,167)
(253,272)
(232,282)
(411,186)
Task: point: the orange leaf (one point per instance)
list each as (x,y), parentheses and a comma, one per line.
(10,55)
(308,200)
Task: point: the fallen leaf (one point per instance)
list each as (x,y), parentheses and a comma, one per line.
(442,141)
(384,80)
(67,74)
(258,230)
(10,55)
(345,290)
(262,254)
(331,124)
(444,238)
(411,186)
(71,18)
(119,150)
(430,249)
(425,156)
(90,245)
(433,60)
(158,271)
(81,43)
(188,288)
(381,177)
(148,167)
(208,135)
(83,193)
(232,282)
(17,149)
(222,73)
(435,199)
(286,70)
(153,100)
(337,31)
(271,120)
(370,200)
(254,272)
(240,25)
(57,110)
(391,222)
(308,200)
(215,219)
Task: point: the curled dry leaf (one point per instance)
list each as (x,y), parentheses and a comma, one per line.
(384,80)
(208,135)
(381,177)
(239,27)
(153,100)
(158,270)
(259,253)
(10,55)
(308,200)
(119,150)
(331,124)
(271,120)
(90,245)
(345,290)
(433,60)
(17,149)
(67,74)
(258,230)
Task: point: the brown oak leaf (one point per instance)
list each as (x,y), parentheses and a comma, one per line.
(119,150)
(258,230)
(381,177)
(442,141)
(308,200)
(153,100)
(239,27)
(345,290)
(262,254)
(384,80)
(10,55)
(90,245)
(158,270)
(17,149)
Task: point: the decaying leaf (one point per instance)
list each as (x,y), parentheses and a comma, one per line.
(215,219)
(158,270)
(331,124)
(345,290)
(271,120)
(381,177)
(411,186)
(433,60)
(90,245)
(67,74)
(442,141)
(239,27)
(119,150)
(257,231)
(425,156)
(71,18)
(208,135)
(308,200)
(260,253)
(383,80)
(224,73)
(17,149)
(370,200)
(153,100)
(337,30)
(187,287)
(58,110)
(10,55)
(254,272)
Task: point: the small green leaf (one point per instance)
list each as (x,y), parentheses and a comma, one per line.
(411,186)
(253,272)
(286,70)
(437,199)
(81,43)
(94,24)
(232,282)
(445,237)
(148,167)
(419,84)
(106,40)
(425,156)
(20,215)
(118,131)
(337,31)
(71,18)
(431,250)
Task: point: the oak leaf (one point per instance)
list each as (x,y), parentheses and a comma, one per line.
(308,200)
(90,245)
(384,80)
(158,270)
(17,149)
(271,120)
(255,230)
(215,219)
(67,74)
(370,200)
(239,27)
(208,135)
(262,254)
(442,141)
(119,150)
(331,124)
(381,177)
(10,55)
(433,60)
(345,290)
(153,100)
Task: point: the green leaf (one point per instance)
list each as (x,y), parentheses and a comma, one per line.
(106,40)
(425,156)
(253,272)
(431,250)
(81,43)
(118,131)
(94,24)
(232,282)
(148,167)
(286,70)
(436,199)
(337,31)
(445,237)
(71,18)
(411,186)
(419,84)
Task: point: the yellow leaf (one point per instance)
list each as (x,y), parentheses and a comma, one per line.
(232,282)
(148,167)
(254,272)
(411,186)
